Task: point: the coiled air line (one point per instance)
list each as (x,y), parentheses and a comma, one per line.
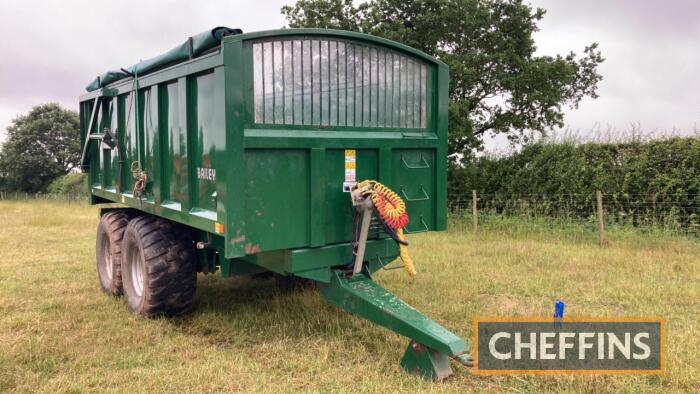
(391,210)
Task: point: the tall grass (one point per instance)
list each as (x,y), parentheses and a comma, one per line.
(59,333)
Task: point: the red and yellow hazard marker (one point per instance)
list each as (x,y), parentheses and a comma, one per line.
(392,211)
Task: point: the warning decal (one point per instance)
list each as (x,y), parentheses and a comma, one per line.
(350,168)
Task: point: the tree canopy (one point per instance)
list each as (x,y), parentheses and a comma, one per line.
(497,83)
(40,146)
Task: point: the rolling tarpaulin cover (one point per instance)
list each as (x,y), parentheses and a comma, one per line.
(200,43)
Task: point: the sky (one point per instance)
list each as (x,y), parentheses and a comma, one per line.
(52,49)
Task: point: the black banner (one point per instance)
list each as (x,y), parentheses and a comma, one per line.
(550,345)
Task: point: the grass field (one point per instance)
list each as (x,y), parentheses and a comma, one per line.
(59,333)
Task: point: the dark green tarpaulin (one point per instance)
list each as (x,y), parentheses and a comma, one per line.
(200,43)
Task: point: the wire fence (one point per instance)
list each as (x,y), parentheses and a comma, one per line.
(669,212)
(64,198)
(672,212)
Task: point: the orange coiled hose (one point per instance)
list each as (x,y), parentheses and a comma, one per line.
(403,252)
(392,211)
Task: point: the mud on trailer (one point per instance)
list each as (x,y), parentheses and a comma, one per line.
(242,153)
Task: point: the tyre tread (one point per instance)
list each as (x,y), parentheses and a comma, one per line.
(171,275)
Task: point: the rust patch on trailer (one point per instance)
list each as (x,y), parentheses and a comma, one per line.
(252,249)
(238,240)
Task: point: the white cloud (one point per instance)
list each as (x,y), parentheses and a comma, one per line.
(651,60)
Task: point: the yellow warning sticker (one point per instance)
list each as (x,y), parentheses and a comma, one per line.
(350,169)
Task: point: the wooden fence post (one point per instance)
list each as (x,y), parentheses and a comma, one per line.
(601,223)
(475,218)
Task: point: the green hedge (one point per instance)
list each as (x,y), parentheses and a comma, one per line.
(668,167)
(638,177)
(72,185)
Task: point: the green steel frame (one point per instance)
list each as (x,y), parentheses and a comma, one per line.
(276,187)
(232,69)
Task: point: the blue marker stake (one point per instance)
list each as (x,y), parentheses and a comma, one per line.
(559,309)
(559,312)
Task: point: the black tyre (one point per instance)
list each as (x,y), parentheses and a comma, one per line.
(159,272)
(108,248)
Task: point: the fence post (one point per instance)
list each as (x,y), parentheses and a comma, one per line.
(475,218)
(601,224)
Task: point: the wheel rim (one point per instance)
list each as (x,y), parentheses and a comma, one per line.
(109,264)
(137,276)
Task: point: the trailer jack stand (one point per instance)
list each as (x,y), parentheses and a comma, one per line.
(429,363)
(431,344)
(426,362)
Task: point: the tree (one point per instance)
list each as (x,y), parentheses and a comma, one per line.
(40,147)
(497,83)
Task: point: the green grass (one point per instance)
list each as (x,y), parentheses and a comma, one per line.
(59,333)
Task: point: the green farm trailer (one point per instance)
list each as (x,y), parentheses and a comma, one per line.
(241,153)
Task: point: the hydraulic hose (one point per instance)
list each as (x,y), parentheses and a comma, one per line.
(391,210)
